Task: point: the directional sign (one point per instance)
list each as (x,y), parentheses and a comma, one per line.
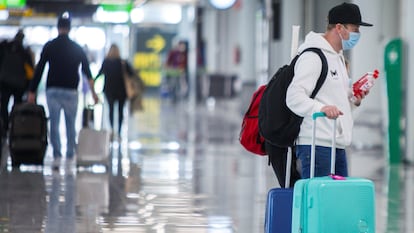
(152,46)
(16,3)
(157,43)
(12,4)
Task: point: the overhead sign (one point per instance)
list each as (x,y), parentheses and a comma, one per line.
(124,7)
(12,4)
(121,5)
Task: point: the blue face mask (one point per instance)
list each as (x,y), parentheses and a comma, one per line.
(352,41)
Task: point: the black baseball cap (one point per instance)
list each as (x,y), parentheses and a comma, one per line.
(346,13)
(64,21)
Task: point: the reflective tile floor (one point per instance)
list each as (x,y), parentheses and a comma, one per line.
(181,169)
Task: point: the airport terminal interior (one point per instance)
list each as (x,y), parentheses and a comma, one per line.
(177,166)
(180,168)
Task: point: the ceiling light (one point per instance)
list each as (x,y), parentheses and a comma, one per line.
(222,4)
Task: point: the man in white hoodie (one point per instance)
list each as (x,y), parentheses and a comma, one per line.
(334,96)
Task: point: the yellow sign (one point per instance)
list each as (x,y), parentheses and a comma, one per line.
(157,43)
(149,62)
(149,65)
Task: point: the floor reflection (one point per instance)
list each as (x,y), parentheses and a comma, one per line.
(61,215)
(22,201)
(181,170)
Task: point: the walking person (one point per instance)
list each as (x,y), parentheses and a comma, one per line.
(13,78)
(113,68)
(334,97)
(64,57)
(177,71)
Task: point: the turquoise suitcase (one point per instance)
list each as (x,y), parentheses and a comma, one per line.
(333,204)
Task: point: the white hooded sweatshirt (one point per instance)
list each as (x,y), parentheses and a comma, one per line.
(334,91)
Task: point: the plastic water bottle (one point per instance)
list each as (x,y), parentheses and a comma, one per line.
(364,84)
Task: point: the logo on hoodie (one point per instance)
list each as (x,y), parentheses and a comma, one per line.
(334,74)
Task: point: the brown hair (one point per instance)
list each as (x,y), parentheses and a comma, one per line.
(113,52)
(330,26)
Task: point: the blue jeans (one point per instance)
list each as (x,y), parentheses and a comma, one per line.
(67,100)
(322,161)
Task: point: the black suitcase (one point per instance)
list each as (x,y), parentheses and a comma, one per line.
(28,134)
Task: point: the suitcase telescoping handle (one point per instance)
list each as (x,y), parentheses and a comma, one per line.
(313,146)
(288,168)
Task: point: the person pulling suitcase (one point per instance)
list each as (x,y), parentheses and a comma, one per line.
(334,99)
(64,57)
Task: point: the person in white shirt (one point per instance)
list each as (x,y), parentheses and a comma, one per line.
(333,98)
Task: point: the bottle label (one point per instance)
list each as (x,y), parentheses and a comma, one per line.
(358,85)
(363,84)
(366,86)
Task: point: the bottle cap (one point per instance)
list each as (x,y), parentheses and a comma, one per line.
(376,74)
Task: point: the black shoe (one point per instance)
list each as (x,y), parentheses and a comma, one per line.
(56,164)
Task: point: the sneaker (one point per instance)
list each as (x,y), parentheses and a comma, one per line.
(56,164)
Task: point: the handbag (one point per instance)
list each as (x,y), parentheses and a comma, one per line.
(131,86)
(136,104)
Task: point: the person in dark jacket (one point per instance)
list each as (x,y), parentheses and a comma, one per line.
(112,68)
(64,57)
(13,78)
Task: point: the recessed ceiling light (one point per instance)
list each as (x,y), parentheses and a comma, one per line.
(222,4)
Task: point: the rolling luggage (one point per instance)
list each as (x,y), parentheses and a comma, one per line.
(93,145)
(28,134)
(332,203)
(278,217)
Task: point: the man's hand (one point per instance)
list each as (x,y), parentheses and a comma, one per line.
(92,88)
(360,97)
(31,97)
(95,97)
(332,112)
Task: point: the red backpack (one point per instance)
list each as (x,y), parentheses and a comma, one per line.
(249,136)
(277,124)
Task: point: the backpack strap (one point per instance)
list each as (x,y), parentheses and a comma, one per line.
(324,71)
